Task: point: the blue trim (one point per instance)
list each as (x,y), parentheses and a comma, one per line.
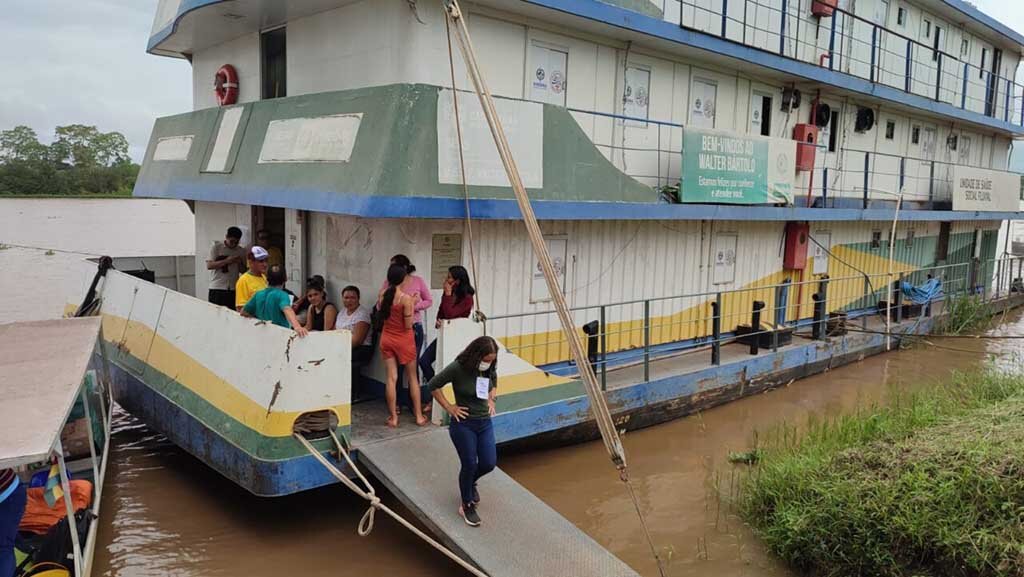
(10,489)
(639,23)
(996,26)
(708,382)
(185,7)
(260,477)
(507,209)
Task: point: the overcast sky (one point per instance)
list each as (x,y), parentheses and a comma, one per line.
(85,61)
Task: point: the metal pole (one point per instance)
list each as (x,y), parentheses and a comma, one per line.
(782,30)
(874,48)
(824,187)
(867,163)
(938,77)
(725,13)
(716,330)
(76,547)
(899,300)
(867,299)
(604,351)
(832,44)
(1006,106)
(963,90)
(647,341)
(755,326)
(910,58)
(815,324)
(823,291)
(931,182)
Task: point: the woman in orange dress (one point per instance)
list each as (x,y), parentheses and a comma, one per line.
(398,343)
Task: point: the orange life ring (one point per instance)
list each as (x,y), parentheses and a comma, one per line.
(225,85)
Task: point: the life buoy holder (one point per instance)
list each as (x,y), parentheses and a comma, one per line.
(225,85)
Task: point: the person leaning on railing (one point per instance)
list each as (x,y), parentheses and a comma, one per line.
(274,305)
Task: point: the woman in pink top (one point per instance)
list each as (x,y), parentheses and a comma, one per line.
(417,288)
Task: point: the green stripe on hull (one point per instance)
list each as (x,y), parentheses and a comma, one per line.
(257,445)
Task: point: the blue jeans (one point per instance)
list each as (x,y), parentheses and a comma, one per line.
(403,393)
(474,441)
(11,510)
(427,361)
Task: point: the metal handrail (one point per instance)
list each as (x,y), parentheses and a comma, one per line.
(990,104)
(987,278)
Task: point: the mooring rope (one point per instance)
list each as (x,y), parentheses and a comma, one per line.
(598,404)
(367,522)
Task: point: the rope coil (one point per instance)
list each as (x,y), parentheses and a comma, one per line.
(366,524)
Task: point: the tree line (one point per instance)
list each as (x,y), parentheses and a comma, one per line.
(81,160)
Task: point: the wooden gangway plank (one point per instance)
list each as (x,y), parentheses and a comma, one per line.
(520,535)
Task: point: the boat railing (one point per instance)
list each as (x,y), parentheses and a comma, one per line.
(649,150)
(866,48)
(763,315)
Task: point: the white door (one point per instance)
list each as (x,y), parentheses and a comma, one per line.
(703,103)
(549,78)
(922,69)
(885,168)
(920,153)
(829,149)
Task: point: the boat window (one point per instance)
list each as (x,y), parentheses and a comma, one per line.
(942,247)
(901,17)
(910,238)
(981,67)
(273,64)
(915,135)
(876,239)
(890,130)
(833,131)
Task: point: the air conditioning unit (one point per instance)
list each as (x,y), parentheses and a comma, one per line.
(865,120)
(825,8)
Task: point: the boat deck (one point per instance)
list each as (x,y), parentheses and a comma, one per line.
(520,535)
(694,360)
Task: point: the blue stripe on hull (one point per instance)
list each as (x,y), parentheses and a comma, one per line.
(260,477)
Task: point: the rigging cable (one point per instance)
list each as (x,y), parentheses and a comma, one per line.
(462,171)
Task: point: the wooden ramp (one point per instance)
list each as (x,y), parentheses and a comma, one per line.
(520,535)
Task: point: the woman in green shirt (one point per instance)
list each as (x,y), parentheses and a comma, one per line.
(474,379)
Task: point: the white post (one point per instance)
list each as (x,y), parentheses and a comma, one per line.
(69,506)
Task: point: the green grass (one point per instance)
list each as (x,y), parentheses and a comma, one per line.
(964,313)
(930,485)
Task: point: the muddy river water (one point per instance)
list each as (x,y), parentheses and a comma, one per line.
(167,514)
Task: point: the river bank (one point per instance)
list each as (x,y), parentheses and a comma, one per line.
(929,484)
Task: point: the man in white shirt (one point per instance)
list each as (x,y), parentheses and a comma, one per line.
(225,264)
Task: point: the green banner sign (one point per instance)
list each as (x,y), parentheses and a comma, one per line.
(724,167)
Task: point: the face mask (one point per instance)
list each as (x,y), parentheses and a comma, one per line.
(484,367)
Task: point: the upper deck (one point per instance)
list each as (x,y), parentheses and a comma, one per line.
(603,141)
(941,58)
